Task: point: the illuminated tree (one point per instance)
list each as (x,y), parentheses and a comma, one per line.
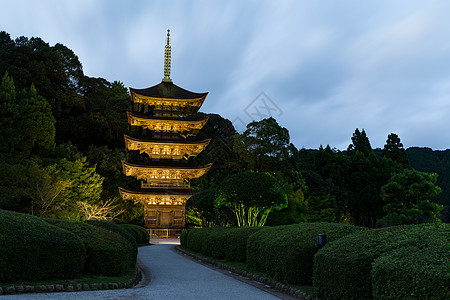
(251,196)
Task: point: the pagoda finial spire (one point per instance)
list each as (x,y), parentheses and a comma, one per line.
(167,59)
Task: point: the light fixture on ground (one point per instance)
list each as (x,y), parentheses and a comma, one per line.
(321,240)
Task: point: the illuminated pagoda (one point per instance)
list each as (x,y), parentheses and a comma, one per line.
(160,120)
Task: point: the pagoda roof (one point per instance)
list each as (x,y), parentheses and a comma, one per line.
(167,165)
(167,90)
(157,191)
(164,170)
(176,119)
(167,141)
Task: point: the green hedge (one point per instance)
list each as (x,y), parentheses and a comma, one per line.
(236,243)
(342,269)
(221,242)
(412,272)
(123,232)
(107,253)
(214,242)
(194,239)
(183,238)
(287,252)
(32,249)
(141,234)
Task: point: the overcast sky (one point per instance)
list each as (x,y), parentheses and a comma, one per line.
(321,68)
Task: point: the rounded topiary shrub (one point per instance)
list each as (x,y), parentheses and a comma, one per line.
(287,252)
(139,233)
(413,273)
(342,269)
(32,249)
(123,232)
(107,253)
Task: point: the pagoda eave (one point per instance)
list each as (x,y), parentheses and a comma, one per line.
(166,141)
(157,196)
(166,149)
(167,90)
(161,171)
(165,119)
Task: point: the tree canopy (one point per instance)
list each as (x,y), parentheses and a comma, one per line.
(407,194)
(394,150)
(263,145)
(251,196)
(26,119)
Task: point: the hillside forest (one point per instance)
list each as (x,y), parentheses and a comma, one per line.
(61,146)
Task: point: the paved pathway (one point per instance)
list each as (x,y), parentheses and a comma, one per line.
(172,277)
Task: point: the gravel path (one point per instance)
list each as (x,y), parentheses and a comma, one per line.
(172,277)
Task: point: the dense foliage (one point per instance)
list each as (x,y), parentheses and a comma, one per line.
(57,125)
(202,206)
(107,253)
(413,272)
(140,234)
(251,196)
(132,243)
(286,252)
(434,161)
(406,196)
(229,243)
(343,268)
(25,242)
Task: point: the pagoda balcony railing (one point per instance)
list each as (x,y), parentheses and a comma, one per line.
(165,184)
(175,157)
(158,233)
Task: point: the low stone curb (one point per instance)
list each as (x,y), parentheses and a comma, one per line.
(20,289)
(291,291)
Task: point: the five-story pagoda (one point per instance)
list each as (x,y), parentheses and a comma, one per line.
(160,121)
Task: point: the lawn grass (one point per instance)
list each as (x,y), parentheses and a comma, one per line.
(85,279)
(308,289)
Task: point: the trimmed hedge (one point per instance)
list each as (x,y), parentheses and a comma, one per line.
(220,242)
(194,239)
(342,269)
(412,272)
(107,253)
(32,249)
(141,234)
(183,238)
(214,242)
(236,243)
(123,232)
(287,252)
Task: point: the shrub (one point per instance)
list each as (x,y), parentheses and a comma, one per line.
(236,242)
(183,238)
(412,272)
(287,252)
(32,249)
(123,232)
(107,252)
(257,247)
(342,269)
(194,239)
(141,234)
(220,242)
(214,242)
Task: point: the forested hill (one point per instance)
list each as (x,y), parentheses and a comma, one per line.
(436,161)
